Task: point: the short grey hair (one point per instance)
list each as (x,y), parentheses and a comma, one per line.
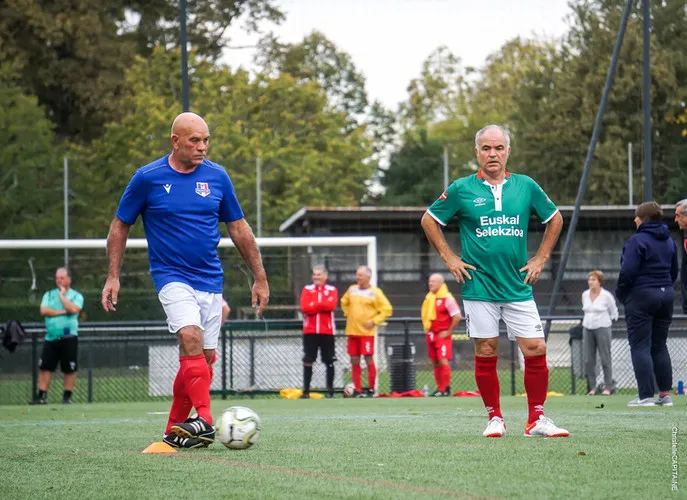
(321,268)
(682,204)
(481,131)
(367,270)
(65,269)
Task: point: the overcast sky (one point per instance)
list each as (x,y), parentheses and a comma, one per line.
(389,39)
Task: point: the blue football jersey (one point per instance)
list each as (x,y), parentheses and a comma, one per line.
(181,213)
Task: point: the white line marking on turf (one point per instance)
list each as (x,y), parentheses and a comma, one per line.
(157,413)
(154,421)
(324,417)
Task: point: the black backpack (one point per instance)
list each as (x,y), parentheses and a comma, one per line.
(13,335)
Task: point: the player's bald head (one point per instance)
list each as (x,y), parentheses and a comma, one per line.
(188,122)
(438,277)
(435,282)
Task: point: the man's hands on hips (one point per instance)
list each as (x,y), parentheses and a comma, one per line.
(533,268)
(459,268)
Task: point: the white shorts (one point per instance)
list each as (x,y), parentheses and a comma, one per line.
(521,319)
(185,306)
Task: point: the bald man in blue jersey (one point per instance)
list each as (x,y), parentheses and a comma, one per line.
(181,198)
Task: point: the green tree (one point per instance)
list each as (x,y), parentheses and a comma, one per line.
(308,158)
(415,173)
(317,59)
(153,23)
(30,177)
(553,136)
(69,56)
(437,94)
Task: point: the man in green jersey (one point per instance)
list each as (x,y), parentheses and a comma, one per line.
(493,208)
(60,307)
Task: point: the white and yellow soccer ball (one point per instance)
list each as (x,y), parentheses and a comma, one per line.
(349,390)
(238,428)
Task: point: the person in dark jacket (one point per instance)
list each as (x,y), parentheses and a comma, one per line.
(648,269)
(681,220)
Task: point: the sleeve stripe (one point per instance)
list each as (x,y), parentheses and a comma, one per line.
(550,217)
(437,218)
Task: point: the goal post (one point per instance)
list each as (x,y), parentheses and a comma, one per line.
(27,270)
(369,242)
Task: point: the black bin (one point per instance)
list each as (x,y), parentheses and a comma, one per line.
(401,367)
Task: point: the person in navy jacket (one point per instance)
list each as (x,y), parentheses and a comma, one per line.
(648,269)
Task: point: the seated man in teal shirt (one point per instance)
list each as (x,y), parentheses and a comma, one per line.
(60,307)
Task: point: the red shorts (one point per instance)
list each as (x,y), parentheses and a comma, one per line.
(359,345)
(439,348)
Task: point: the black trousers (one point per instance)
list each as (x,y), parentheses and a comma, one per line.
(649,313)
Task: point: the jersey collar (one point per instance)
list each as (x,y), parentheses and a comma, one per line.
(480,176)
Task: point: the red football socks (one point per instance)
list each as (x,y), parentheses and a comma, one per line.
(196,376)
(355,375)
(371,376)
(438,377)
(181,404)
(536,385)
(488,384)
(445,377)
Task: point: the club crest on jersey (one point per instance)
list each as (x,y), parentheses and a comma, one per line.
(202,188)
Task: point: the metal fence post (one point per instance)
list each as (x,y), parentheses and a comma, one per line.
(34,364)
(224,362)
(231,358)
(513,358)
(89,357)
(573,382)
(252,366)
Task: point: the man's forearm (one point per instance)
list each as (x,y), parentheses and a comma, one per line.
(242,236)
(116,245)
(435,236)
(551,234)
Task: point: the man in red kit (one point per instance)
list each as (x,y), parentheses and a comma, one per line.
(318,301)
(440,317)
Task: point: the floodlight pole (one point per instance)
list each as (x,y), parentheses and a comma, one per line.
(184,55)
(646,98)
(587,164)
(65,162)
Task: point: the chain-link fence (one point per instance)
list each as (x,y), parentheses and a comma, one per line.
(137,361)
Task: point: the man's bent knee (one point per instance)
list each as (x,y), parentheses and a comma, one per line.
(190,340)
(532,347)
(487,348)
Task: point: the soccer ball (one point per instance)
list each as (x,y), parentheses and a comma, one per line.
(349,390)
(238,428)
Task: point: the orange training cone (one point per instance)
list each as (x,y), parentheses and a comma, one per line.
(159,447)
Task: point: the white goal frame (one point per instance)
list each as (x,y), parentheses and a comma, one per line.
(369,242)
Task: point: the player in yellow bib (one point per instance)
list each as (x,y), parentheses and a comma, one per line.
(493,208)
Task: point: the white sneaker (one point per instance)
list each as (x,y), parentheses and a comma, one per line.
(642,402)
(544,427)
(496,428)
(664,400)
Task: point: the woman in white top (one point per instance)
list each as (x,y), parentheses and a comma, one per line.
(600,311)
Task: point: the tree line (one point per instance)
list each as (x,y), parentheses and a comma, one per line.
(100,82)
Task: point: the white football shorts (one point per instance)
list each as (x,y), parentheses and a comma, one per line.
(521,319)
(185,306)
